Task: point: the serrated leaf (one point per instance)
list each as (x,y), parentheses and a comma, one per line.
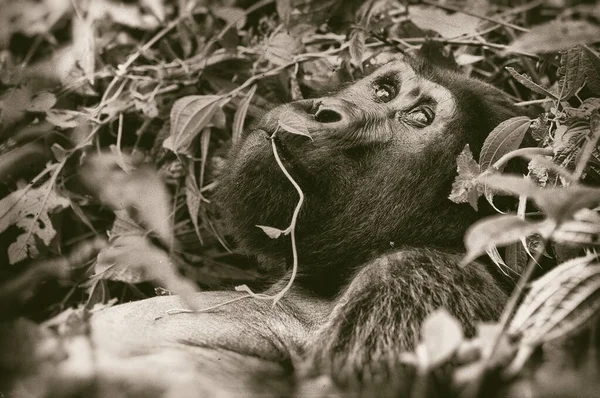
(465,187)
(189,116)
(499,230)
(272,232)
(240,115)
(293,124)
(530,84)
(506,137)
(572,72)
(555,36)
(592,70)
(442,334)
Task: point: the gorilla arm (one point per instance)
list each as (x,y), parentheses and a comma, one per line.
(378,316)
(244,348)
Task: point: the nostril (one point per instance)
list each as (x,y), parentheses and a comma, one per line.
(327,116)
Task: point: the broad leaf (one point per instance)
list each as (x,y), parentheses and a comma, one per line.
(506,137)
(530,84)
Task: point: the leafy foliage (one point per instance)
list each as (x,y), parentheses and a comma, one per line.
(137,101)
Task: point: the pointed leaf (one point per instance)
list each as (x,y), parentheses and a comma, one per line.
(499,230)
(293,124)
(240,115)
(272,232)
(530,84)
(506,137)
(555,36)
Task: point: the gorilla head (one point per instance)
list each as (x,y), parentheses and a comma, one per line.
(376,174)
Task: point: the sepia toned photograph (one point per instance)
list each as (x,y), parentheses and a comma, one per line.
(299,198)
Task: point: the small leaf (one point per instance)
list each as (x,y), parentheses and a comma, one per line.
(293,124)
(356,46)
(62,118)
(572,72)
(193,197)
(499,230)
(231,15)
(506,137)
(284,10)
(240,115)
(555,36)
(42,102)
(442,335)
(530,84)
(272,232)
(282,48)
(465,187)
(84,49)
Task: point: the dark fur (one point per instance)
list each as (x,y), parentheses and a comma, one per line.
(377,233)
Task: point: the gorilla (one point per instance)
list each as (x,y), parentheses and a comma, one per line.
(378,240)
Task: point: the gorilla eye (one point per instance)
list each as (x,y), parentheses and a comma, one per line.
(384,92)
(420,116)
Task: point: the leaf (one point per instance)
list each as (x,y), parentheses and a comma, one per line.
(231,15)
(572,72)
(560,204)
(155,7)
(28,208)
(506,137)
(578,233)
(356,47)
(284,10)
(134,259)
(499,230)
(281,48)
(293,124)
(592,69)
(193,197)
(555,36)
(141,192)
(189,116)
(63,119)
(560,305)
(542,289)
(42,102)
(84,48)
(442,335)
(530,84)
(448,26)
(465,187)
(272,232)
(240,115)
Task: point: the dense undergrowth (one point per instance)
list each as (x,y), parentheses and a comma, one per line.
(101,102)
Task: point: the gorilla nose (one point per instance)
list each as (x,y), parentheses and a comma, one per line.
(327,115)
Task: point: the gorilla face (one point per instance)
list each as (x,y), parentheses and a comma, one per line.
(376,174)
